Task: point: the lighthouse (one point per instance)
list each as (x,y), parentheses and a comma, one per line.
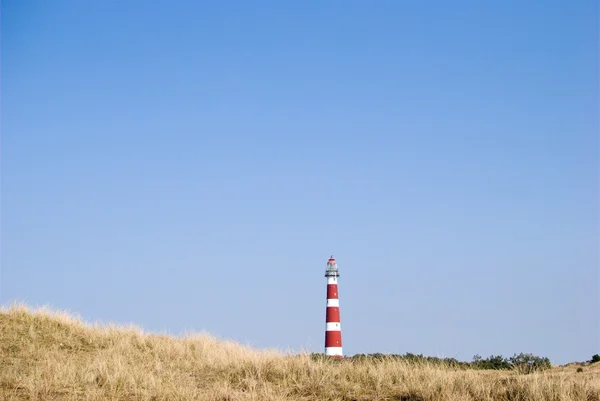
(333,329)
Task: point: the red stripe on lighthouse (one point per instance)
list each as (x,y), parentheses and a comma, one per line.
(332,291)
(333,314)
(333,339)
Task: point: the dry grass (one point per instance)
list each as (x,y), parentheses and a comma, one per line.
(46,355)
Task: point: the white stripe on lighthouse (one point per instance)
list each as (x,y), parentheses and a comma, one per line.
(333,302)
(333,351)
(333,326)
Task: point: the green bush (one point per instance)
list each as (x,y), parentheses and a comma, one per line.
(595,358)
(523,363)
(528,363)
(493,362)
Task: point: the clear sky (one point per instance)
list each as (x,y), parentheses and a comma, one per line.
(191,166)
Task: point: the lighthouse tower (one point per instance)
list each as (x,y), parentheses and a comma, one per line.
(333,329)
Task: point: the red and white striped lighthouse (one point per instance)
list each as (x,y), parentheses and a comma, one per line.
(333,329)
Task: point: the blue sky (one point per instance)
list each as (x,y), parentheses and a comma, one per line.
(191,167)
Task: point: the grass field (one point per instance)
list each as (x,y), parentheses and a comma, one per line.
(47,355)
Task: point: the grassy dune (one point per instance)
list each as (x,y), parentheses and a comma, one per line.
(46,355)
